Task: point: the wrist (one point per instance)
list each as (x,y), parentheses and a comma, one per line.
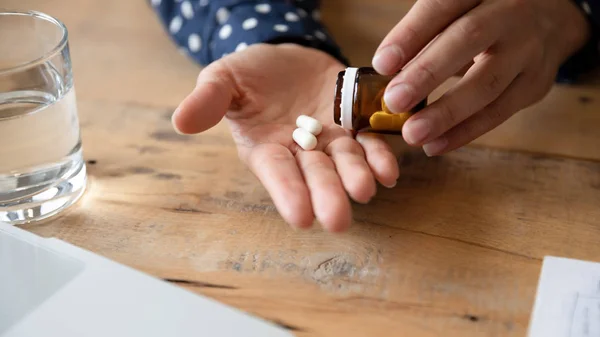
(581,57)
(574,32)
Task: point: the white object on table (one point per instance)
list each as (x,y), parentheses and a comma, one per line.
(51,288)
(568,299)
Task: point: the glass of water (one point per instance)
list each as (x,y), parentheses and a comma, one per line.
(42,171)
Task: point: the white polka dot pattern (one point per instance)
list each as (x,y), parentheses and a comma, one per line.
(241,46)
(225,32)
(320,35)
(186,10)
(194,43)
(249,23)
(209,29)
(281,28)
(586,7)
(222,15)
(263,8)
(175,25)
(291,17)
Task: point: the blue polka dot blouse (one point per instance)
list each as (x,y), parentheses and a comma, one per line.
(207,30)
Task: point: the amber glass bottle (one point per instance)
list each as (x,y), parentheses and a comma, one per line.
(359,104)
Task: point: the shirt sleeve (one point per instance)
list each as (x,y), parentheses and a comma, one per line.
(588,57)
(207,30)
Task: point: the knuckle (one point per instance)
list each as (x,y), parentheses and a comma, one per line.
(447,115)
(494,115)
(426,73)
(497,113)
(410,34)
(406,40)
(471,29)
(464,134)
(492,86)
(443,7)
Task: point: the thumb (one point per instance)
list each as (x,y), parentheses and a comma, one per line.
(206,105)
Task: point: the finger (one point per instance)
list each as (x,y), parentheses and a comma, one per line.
(352,168)
(276,168)
(516,97)
(455,48)
(380,158)
(464,69)
(206,105)
(330,203)
(481,85)
(425,20)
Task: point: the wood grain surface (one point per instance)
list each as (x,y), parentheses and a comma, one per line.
(454,250)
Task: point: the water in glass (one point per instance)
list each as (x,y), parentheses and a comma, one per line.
(41,166)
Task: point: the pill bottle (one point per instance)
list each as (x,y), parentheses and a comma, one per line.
(359,105)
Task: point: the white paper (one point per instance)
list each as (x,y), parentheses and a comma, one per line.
(29,275)
(52,288)
(568,299)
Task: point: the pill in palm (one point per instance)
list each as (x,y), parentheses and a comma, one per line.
(305,139)
(309,124)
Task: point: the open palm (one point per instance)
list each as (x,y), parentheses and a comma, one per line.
(261,91)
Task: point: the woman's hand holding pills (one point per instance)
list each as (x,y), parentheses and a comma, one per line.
(511,51)
(261,92)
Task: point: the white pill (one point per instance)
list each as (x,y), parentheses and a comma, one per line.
(305,139)
(309,124)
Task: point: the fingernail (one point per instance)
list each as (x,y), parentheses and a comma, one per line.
(436,147)
(173,121)
(387,60)
(399,97)
(392,185)
(416,132)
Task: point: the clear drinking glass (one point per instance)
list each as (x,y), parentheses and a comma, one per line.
(41,167)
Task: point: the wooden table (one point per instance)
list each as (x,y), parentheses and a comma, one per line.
(454,250)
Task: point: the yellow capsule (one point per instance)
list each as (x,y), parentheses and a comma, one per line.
(382,120)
